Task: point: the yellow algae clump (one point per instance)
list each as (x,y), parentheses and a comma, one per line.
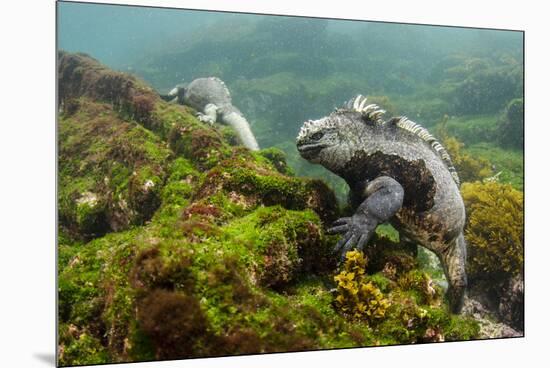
(494,230)
(356,296)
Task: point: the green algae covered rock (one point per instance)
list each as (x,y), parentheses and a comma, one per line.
(176,243)
(111,171)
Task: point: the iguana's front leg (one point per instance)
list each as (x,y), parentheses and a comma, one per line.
(384,199)
(210,114)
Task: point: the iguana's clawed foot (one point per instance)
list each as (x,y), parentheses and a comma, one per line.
(205,118)
(357,231)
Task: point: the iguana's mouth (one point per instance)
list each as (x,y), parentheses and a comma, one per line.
(310,150)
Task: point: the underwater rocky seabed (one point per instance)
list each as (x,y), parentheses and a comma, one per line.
(175,242)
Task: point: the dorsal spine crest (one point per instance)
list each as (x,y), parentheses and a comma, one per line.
(370,112)
(416,129)
(373,113)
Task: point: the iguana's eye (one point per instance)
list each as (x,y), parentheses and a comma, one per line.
(317,136)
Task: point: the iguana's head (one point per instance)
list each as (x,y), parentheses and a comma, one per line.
(332,140)
(328,141)
(178,92)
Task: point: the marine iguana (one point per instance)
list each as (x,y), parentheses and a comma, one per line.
(397,173)
(212,100)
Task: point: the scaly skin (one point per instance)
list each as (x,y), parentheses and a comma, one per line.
(212,100)
(397,173)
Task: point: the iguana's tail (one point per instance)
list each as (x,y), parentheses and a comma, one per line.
(241,126)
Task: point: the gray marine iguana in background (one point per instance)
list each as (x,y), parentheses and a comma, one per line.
(212,100)
(397,173)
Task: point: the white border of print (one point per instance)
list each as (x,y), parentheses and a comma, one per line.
(27,182)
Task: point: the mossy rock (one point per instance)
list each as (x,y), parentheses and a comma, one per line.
(111,171)
(255,184)
(204,146)
(390,256)
(78,347)
(80,75)
(287,243)
(118,284)
(182,177)
(278,159)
